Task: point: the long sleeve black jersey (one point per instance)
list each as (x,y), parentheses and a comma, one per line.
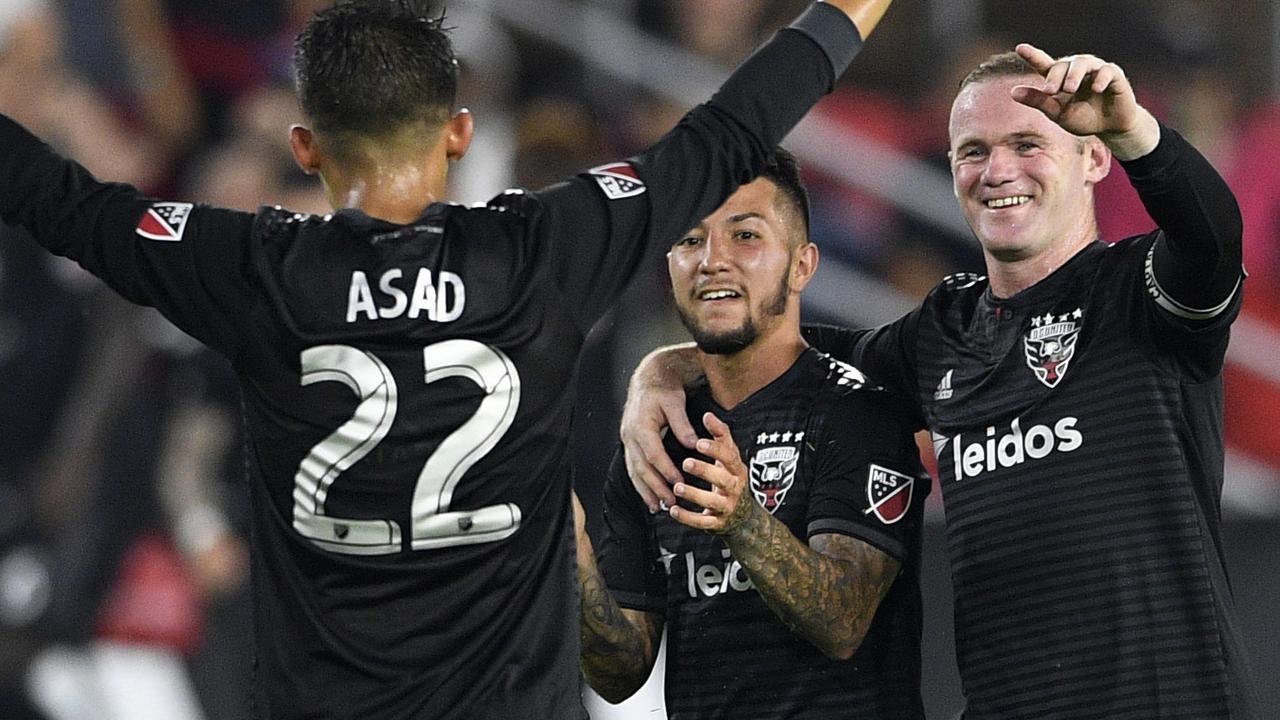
(1078,431)
(826,453)
(407,392)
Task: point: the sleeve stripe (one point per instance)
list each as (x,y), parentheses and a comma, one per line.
(1177,309)
(883,541)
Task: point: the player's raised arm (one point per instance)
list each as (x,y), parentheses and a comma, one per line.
(1196,265)
(620,213)
(865,14)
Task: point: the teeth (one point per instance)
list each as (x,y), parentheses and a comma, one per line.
(1009,201)
(718,294)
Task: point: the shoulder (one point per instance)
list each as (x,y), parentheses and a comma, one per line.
(837,377)
(848,398)
(514,202)
(957,287)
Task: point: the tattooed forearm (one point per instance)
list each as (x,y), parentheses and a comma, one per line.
(827,593)
(618,646)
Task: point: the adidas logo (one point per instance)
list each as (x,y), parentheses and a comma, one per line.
(944,387)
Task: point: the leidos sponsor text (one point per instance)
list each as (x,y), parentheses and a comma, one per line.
(1013,447)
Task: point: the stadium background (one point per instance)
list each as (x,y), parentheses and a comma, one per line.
(122,576)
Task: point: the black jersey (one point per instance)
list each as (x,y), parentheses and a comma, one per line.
(826,454)
(407,394)
(1078,431)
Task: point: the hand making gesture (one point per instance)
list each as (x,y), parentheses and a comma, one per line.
(728,504)
(1086,95)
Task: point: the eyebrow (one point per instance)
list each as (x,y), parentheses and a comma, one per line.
(745,216)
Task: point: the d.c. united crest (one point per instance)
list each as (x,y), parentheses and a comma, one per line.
(773,472)
(1051,344)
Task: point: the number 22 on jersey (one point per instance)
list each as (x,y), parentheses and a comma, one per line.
(433,524)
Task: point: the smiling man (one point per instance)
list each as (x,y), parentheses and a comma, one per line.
(1074,396)
(787,579)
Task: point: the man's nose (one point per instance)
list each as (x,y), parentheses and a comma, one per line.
(1002,166)
(715,253)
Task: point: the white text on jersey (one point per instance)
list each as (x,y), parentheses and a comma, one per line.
(1012,448)
(711,580)
(442,299)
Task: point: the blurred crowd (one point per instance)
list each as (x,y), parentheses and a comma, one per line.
(122,555)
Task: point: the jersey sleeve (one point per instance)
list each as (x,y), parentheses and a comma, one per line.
(604,222)
(1194,268)
(886,354)
(628,557)
(185,260)
(869,483)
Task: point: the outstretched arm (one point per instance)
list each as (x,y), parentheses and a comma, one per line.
(619,645)
(827,592)
(865,14)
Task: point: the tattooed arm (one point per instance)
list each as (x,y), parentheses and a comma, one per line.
(827,592)
(619,645)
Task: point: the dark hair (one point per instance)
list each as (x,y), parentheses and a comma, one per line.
(783,170)
(372,66)
(1000,65)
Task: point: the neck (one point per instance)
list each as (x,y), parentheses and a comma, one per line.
(398,194)
(393,180)
(736,377)
(1010,276)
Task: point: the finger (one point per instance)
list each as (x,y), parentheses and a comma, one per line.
(714,502)
(673,409)
(1037,58)
(649,484)
(1110,78)
(1082,66)
(695,520)
(717,475)
(721,447)
(642,441)
(1054,78)
(640,483)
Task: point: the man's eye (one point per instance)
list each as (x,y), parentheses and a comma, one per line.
(746,235)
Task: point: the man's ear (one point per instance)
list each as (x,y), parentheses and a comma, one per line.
(458,132)
(1099,160)
(803,267)
(303,144)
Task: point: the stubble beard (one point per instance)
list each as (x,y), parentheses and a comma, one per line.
(728,342)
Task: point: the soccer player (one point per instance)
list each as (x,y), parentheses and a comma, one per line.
(1074,395)
(405,363)
(776,578)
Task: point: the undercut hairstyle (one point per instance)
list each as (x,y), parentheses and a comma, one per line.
(1000,65)
(783,170)
(370,67)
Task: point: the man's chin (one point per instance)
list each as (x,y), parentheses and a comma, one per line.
(724,343)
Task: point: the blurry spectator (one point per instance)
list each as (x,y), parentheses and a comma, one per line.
(38,88)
